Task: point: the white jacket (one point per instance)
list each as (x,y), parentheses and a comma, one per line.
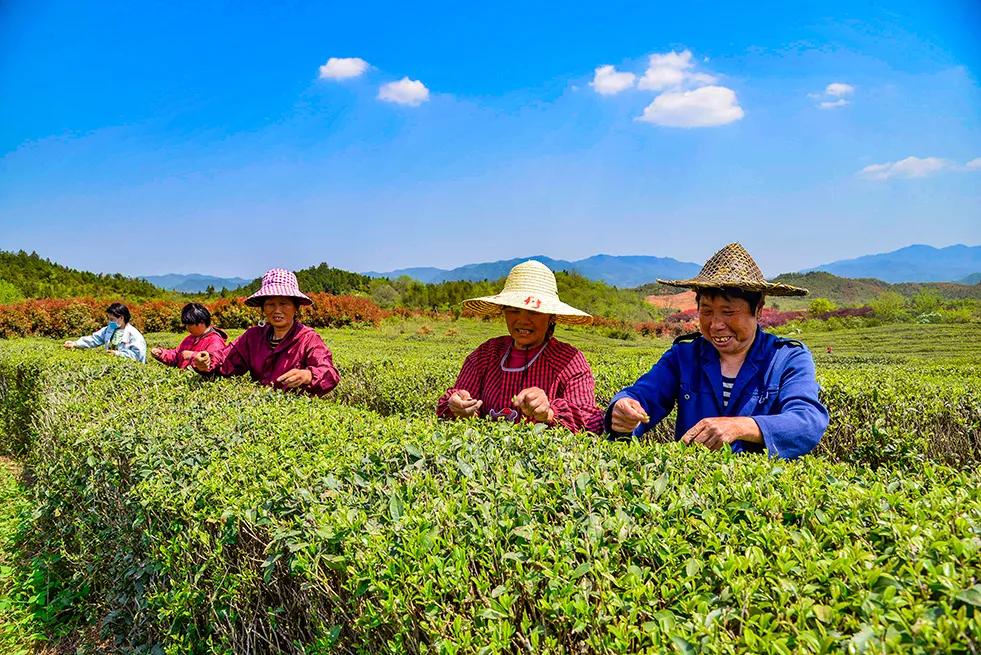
(130,342)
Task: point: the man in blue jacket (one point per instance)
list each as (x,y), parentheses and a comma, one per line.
(733,383)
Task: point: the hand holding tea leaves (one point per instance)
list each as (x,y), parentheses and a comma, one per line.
(462,405)
(627,415)
(295,377)
(202,361)
(156,351)
(533,403)
(715,432)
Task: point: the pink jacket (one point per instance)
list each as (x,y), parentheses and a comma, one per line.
(213,342)
(301,348)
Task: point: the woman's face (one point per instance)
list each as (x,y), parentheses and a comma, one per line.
(279,311)
(118,320)
(196,329)
(527,328)
(729,325)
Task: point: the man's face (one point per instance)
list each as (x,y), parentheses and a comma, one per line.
(729,325)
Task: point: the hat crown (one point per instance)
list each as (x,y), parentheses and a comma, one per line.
(280,276)
(733,263)
(531,276)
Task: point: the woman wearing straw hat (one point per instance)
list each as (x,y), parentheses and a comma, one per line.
(733,383)
(283,353)
(527,375)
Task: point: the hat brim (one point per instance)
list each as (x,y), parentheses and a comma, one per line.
(492,305)
(766,288)
(259,297)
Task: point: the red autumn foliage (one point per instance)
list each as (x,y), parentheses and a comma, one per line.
(78,316)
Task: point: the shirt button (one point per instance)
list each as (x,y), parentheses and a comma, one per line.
(687,397)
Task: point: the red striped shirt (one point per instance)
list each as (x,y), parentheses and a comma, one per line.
(560,371)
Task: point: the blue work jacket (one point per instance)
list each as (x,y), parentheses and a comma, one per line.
(775,385)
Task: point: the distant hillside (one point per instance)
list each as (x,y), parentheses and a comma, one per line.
(320,279)
(36,277)
(916,263)
(194,282)
(973,278)
(622,271)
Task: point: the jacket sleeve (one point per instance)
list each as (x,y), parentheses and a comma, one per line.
(94,340)
(132,346)
(233,359)
(800,418)
(655,391)
(215,345)
(169,357)
(321,364)
(575,402)
(469,378)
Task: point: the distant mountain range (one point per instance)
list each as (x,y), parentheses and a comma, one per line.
(194,282)
(916,263)
(621,271)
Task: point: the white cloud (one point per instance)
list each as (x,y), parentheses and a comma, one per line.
(705,107)
(833,104)
(909,167)
(974,164)
(839,89)
(404,92)
(666,70)
(607,81)
(342,68)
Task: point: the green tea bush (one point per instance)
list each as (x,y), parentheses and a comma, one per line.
(185,516)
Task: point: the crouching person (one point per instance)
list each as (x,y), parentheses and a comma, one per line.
(283,353)
(118,337)
(733,383)
(201,337)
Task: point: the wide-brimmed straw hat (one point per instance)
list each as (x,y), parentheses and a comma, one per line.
(278,282)
(732,267)
(530,285)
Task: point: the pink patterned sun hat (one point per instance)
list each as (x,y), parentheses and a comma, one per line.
(277,282)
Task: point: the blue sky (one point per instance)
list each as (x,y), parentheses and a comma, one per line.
(148,138)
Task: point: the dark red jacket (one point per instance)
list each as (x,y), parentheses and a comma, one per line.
(213,342)
(301,348)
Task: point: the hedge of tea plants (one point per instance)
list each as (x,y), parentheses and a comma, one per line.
(183,516)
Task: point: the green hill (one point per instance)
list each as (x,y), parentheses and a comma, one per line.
(36,277)
(320,279)
(844,291)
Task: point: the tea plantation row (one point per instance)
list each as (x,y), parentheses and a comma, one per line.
(187,516)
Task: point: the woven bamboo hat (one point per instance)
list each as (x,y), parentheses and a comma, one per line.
(733,267)
(530,285)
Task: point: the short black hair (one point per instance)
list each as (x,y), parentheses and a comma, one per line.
(119,310)
(194,313)
(754,298)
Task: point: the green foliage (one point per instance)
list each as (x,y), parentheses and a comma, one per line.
(9,293)
(208,517)
(889,306)
(19,629)
(820,306)
(35,277)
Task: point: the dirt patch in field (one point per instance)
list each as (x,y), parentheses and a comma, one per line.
(681,301)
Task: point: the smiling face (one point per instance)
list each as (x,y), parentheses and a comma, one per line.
(279,311)
(728,324)
(527,328)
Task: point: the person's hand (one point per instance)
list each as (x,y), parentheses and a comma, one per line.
(156,351)
(70,345)
(715,432)
(627,415)
(295,377)
(462,405)
(202,361)
(187,354)
(533,403)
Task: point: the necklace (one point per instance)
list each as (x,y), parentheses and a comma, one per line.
(527,365)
